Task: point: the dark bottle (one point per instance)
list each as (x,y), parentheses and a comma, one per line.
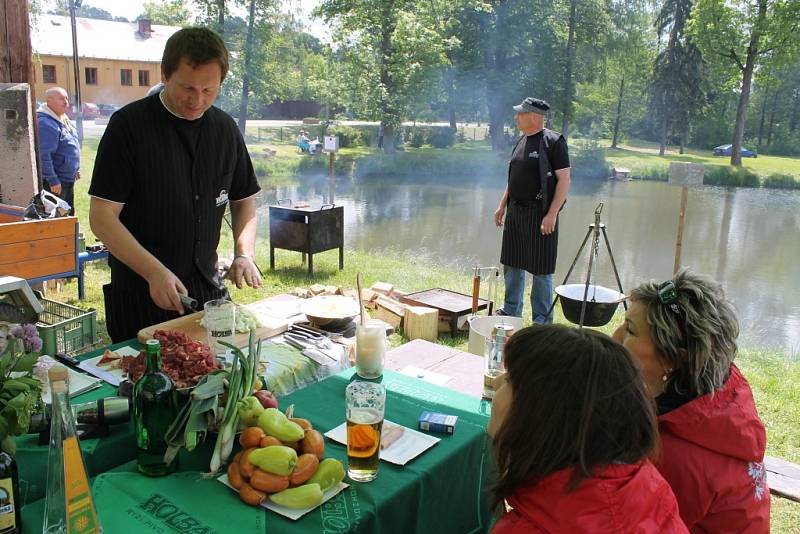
(10,516)
(154,410)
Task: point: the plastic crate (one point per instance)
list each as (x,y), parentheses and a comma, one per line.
(65,328)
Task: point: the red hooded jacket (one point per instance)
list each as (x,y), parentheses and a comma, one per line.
(712,454)
(620,499)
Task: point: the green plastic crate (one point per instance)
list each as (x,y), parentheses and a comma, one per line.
(65,328)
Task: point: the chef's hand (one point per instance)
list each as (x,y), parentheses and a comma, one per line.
(164,289)
(549,224)
(56,189)
(499,215)
(244,268)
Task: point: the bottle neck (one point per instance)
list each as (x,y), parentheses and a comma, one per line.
(153,361)
(59,394)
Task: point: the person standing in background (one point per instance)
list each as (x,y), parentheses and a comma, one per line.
(59,147)
(538,183)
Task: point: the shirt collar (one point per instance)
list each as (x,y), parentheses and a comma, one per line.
(161,98)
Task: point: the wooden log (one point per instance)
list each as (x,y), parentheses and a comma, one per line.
(420,322)
(317,289)
(390,311)
(383,288)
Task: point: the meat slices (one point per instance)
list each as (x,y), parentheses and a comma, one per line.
(185,360)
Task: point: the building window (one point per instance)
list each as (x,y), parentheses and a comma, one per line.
(91,76)
(144,78)
(49,73)
(126,76)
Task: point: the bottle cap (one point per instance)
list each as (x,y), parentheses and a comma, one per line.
(58,373)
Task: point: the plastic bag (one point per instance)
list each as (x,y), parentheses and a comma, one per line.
(46,205)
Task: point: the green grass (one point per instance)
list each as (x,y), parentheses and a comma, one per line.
(642,159)
(773,376)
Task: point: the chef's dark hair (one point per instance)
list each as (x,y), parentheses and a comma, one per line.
(197,46)
(578,401)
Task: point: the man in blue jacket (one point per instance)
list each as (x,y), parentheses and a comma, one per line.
(59,148)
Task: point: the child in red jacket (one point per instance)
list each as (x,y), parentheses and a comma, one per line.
(683,333)
(572,428)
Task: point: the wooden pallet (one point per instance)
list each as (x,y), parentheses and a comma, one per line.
(783,478)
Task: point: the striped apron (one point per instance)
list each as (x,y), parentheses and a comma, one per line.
(524,246)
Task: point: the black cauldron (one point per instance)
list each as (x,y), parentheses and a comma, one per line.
(601,303)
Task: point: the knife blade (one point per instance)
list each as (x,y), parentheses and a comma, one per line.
(102,374)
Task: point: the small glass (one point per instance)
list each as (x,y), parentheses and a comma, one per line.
(220,321)
(366,403)
(370,349)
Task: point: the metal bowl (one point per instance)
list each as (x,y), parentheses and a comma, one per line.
(330,311)
(601,303)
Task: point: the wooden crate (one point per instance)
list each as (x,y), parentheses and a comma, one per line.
(40,249)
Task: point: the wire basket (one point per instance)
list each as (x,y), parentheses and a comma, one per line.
(66,328)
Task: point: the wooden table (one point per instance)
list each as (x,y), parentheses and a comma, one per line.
(464,368)
(451,304)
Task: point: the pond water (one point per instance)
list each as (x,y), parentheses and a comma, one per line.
(748,239)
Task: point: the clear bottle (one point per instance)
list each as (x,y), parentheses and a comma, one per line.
(154,410)
(10,515)
(68,504)
(493,365)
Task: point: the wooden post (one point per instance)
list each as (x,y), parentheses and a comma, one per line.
(16,57)
(332,176)
(681,219)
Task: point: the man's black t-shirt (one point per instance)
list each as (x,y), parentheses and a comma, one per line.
(523,178)
(175,178)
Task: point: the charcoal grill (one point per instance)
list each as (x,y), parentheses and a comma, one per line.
(306,230)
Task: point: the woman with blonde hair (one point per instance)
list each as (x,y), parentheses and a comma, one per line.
(683,332)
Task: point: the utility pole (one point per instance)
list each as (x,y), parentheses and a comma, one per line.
(74,5)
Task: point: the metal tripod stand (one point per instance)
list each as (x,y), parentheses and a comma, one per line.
(594,230)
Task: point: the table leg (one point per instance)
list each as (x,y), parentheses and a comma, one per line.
(81,289)
(454,326)
(341,257)
(272,258)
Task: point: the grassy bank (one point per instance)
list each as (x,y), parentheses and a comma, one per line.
(772,375)
(644,162)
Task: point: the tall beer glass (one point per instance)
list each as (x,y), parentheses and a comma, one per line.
(366,402)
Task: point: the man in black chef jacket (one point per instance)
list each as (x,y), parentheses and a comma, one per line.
(167,167)
(538,183)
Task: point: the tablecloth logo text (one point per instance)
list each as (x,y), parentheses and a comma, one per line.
(161,508)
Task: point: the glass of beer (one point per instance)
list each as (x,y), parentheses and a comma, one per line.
(365,407)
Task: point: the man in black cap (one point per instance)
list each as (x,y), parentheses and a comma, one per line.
(538,183)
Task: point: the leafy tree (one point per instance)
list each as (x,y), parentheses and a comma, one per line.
(678,73)
(168,13)
(212,14)
(389,52)
(85,10)
(746,34)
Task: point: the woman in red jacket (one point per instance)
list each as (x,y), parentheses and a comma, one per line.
(572,427)
(683,332)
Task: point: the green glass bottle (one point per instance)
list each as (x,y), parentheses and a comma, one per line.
(154,410)
(10,517)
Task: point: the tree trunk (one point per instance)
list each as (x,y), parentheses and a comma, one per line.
(248,49)
(568,83)
(497,122)
(763,115)
(221,16)
(664,132)
(795,119)
(451,97)
(747,78)
(615,137)
(682,141)
(772,116)
(389,113)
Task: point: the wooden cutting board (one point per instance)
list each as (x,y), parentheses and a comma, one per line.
(189,324)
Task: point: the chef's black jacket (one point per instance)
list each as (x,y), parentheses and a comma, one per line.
(175,178)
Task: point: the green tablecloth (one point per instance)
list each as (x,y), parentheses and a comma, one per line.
(440,491)
(288,370)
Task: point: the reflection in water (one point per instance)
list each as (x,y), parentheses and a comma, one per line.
(746,238)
